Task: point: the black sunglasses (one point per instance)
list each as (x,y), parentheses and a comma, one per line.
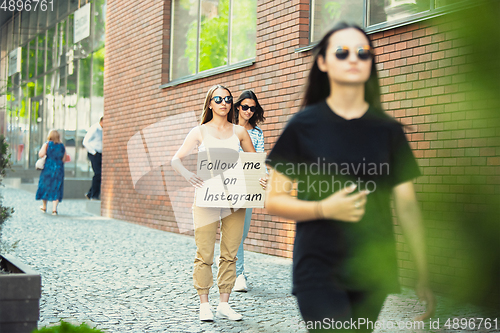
(246,107)
(363,52)
(218,99)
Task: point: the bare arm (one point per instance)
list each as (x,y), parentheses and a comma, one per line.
(410,219)
(339,206)
(245,140)
(43,150)
(190,142)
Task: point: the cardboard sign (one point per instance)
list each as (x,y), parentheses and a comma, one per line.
(231,179)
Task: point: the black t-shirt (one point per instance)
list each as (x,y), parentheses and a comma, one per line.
(324,153)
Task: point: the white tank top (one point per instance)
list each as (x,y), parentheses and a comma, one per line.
(209,141)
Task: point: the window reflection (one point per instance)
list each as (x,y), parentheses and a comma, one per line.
(391,10)
(243,33)
(200,34)
(53,90)
(325,14)
(185,15)
(213,36)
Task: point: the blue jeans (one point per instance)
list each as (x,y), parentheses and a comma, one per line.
(240,268)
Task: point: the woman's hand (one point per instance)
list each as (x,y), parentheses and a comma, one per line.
(263,182)
(344,207)
(193,179)
(410,220)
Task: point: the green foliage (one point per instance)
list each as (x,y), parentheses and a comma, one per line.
(209,49)
(476,215)
(334,9)
(98,77)
(65,327)
(243,30)
(213,40)
(32,63)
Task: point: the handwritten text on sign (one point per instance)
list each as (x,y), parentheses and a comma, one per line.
(231,179)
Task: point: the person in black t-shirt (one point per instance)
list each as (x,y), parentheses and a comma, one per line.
(347,157)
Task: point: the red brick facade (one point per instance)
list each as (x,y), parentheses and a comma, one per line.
(423,75)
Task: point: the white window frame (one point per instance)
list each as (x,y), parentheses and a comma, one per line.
(425,15)
(208,72)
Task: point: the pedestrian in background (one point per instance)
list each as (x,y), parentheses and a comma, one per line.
(51,181)
(93,143)
(344,257)
(248,113)
(216,131)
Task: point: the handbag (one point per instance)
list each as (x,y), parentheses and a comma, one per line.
(40,163)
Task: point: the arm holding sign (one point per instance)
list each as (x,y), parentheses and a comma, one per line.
(247,146)
(192,140)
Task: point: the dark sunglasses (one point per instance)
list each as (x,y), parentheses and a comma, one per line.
(363,52)
(246,107)
(218,99)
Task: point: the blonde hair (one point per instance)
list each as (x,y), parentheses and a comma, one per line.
(54,136)
(207,114)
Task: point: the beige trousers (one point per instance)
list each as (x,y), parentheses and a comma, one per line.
(206,221)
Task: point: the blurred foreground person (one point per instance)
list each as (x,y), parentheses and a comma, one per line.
(347,157)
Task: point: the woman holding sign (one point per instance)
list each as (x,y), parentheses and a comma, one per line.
(216,131)
(348,157)
(249,113)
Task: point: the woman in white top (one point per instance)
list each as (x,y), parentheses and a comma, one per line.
(215,131)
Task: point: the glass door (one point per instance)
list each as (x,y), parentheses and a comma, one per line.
(36,126)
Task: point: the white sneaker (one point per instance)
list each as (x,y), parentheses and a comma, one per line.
(241,283)
(225,311)
(206,312)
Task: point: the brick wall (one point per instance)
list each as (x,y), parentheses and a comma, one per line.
(423,72)
(432,81)
(137,64)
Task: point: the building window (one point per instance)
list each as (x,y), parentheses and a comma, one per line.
(325,14)
(60,82)
(391,10)
(373,15)
(208,34)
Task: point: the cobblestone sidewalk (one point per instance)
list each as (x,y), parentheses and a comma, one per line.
(121,277)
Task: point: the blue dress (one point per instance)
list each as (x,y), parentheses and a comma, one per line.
(51,182)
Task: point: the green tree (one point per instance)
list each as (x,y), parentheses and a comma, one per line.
(243,30)
(98,72)
(213,40)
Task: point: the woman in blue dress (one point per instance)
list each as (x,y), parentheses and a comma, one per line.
(51,182)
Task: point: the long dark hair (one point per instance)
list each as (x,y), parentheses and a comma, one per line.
(207,113)
(318,85)
(258,115)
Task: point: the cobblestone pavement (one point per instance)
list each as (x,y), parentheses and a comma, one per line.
(121,277)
